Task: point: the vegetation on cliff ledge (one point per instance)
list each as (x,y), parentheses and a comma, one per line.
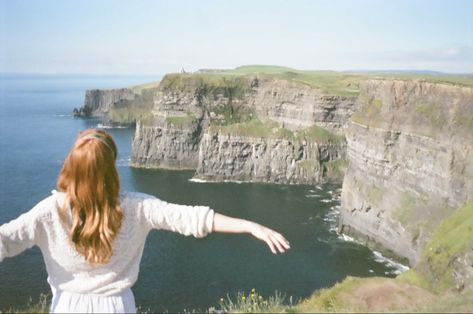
(271,129)
(189,118)
(137,109)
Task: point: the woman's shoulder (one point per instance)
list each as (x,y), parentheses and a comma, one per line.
(43,209)
(135,201)
(134,198)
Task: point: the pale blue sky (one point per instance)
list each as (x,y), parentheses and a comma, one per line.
(155,37)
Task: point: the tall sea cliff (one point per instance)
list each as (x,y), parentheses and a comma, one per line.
(410,156)
(401,145)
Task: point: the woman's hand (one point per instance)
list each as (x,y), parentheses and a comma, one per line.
(273,239)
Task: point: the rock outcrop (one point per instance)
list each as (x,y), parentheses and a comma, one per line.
(166,145)
(276,160)
(118,106)
(410,162)
(98,102)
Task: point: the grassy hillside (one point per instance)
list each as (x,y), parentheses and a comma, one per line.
(330,82)
(430,286)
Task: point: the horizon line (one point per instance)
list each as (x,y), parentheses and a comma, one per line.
(392,71)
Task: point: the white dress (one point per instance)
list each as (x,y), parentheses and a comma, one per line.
(78,286)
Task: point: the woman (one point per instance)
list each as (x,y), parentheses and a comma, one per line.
(92,238)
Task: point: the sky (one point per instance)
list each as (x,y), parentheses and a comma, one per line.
(117,37)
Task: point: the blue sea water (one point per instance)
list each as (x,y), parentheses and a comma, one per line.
(36,132)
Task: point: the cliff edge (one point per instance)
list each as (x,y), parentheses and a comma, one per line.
(410,162)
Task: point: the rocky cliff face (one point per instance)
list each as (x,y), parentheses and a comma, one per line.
(275,160)
(98,102)
(410,162)
(118,106)
(166,145)
(179,134)
(298,106)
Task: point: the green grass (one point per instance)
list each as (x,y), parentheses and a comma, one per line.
(232,114)
(270,129)
(459,80)
(339,83)
(207,84)
(128,114)
(251,128)
(335,169)
(319,135)
(136,109)
(413,277)
(140,88)
(460,303)
(260,69)
(308,164)
(407,207)
(189,118)
(434,115)
(254,302)
(40,306)
(330,299)
(452,239)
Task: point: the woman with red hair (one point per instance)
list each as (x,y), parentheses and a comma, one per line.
(92,237)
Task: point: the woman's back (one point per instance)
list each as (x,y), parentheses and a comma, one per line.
(69,271)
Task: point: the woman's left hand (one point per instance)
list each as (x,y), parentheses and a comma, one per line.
(273,239)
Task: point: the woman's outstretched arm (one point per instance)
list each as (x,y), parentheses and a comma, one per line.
(273,239)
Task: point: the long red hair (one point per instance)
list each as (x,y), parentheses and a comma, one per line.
(90,180)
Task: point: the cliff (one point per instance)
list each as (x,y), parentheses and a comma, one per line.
(244,128)
(118,106)
(241,157)
(404,142)
(410,162)
(166,145)
(99,102)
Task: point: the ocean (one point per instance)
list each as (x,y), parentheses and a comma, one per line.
(37,130)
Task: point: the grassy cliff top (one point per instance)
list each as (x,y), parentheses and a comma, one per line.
(150,85)
(330,82)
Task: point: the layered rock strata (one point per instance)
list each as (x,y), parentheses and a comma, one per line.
(410,162)
(98,102)
(166,146)
(242,158)
(298,106)
(122,106)
(179,135)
